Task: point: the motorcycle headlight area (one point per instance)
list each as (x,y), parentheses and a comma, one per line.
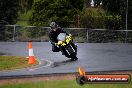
(61,43)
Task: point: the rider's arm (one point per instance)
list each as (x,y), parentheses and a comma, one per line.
(62,31)
(66,33)
(51,38)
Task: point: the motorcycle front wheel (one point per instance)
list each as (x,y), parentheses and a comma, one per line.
(71,52)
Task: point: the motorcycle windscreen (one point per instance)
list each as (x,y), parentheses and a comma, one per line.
(62,37)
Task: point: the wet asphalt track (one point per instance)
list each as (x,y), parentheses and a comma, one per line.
(92,57)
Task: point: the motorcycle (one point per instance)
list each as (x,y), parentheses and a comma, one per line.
(66,46)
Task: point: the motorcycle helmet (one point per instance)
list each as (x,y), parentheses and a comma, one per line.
(53,26)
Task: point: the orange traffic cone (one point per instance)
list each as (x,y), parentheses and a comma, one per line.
(31,55)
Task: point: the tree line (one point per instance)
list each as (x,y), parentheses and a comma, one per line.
(110,14)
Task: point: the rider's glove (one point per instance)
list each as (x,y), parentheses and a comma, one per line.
(70,35)
(56,44)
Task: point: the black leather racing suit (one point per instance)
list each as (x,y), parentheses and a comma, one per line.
(53,38)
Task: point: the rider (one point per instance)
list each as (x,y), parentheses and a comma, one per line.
(54,32)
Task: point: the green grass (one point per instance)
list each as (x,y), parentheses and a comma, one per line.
(63,84)
(22,23)
(26,15)
(23,18)
(13,62)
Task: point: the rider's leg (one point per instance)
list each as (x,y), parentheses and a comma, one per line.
(55,48)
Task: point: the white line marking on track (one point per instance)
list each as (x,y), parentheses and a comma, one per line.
(42,66)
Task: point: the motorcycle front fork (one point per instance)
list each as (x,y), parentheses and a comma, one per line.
(74,46)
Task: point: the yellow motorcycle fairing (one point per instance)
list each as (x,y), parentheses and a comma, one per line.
(68,39)
(62,43)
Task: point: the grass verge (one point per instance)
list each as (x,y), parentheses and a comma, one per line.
(63,84)
(13,62)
